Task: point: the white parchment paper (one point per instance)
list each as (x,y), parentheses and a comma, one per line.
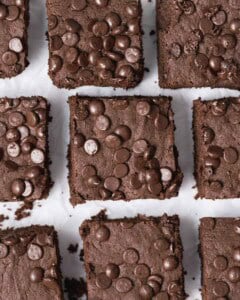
(56,210)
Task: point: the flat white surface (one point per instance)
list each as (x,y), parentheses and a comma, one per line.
(56,210)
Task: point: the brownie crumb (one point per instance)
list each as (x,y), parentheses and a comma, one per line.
(74,288)
(146,70)
(23,211)
(72,248)
(152,32)
(81,255)
(3,218)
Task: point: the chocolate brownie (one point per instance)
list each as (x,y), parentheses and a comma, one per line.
(122,148)
(137,258)
(95,42)
(24,173)
(30,264)
(220,254)
(14,19)
(216,126)
(198,43)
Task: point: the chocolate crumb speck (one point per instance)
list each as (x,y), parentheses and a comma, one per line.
(72,248)
(23,211)
(74,288)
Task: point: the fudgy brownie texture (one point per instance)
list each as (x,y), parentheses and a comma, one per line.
(198,43)
(24,173)
(122,148)
(137,258)
(216,126)
(95,42)
(30,264)
(220,254)
(14,19)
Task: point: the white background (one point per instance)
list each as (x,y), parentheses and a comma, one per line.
(56,210)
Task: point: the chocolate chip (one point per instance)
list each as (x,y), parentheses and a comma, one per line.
(124,132)
(3,129)
(70,39)
(96,107)
(13,149)
(206,25)
(133,26)
(236,254)
(103,281)
(72,25)
(55,63)
(108,43)
(13,13)
(37,156)
(135,182)
(235,25)
(161,122)
(113,141)
(216,186)
(79,140)
(170,263)
(132,10)
(28,189)
(36,275)
(123,285)
(104,193)
(220,263)
(18,187)
(71,55)
(101,3)
(16,119)
(112,183)
(91,147)
(96,43)
(132,55)
(228,41)
(3,12)
(201,61)
(230,155)
(15,44)
(215,151)
(208,135)
(122,155)
(102,123)
(155,188)
(122,42)
(100,28)
(121,170)
(112,271)
(156,287)
(140,146)
(219,108)
(35,252)
(219,18)
(93,181)
(143,108)
(102,233)
(56,42)
(113,20)
(52,22)
(126,71)
(13,135)
(166,174)
(142,271)
(215,63)
(146,292)
(33,172)
(220,288)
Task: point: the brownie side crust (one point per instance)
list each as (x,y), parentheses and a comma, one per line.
(30,262)
(14,21)
(24,166)
(95,43)
(219,252)
(216,133)
(198,43)
(138,258)
(122,149)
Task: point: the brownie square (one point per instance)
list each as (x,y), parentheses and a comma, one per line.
(220,254)
(95,42)
(30,264)
(122,148)
(216,126)
(138,258)
(24,173)
(198,43)
(14,19)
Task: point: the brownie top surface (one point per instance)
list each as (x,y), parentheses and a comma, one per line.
(216,133)
(13,36)
(133,258)
(220,252)
(199,43)
(29,264)
(122,148)
(23,151)
(95,42)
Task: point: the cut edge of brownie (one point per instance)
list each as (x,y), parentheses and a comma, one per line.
(125,84)
(43,228)
(76,199)
(102,218)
